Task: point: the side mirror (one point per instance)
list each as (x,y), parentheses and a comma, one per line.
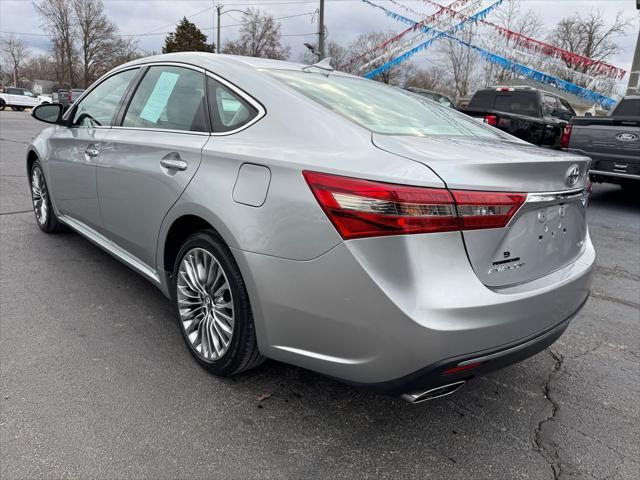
(48,113)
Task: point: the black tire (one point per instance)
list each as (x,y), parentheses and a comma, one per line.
(50,224)
(242,353)
(21,109)
(2,105)
(15,109)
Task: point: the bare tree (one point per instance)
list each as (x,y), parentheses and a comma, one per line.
(58,19)
(512,17)
(364,58)
(97,39)
(259,37)
(432,78)
(40,67)
(15,53)
(462,62)
(334,50)
(589,35)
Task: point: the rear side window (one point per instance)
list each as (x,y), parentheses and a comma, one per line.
(628,108)
(14,91)
(520,103)
(100,105)
(170,98)
(381,108)
(228,110)
(482,100)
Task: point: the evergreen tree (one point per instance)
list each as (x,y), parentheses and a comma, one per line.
(186,38)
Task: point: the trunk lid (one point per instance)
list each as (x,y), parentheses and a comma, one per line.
(546,233)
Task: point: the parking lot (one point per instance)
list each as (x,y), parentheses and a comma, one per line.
(97,383)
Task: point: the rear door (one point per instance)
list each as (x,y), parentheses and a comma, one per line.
(76,149)
(148,160)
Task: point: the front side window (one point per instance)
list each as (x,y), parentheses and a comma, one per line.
(228,110)
(168,98)
(565,110)
(99,107)
(28,93)
(381,108)
(550,105)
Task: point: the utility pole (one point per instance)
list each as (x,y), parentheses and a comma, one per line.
(218,8)
(213,44)
(321,31)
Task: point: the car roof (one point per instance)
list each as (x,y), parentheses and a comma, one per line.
(214,61)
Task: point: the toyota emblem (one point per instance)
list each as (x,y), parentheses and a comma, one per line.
(573,175)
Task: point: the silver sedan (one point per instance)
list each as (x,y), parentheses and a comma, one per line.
(297,213)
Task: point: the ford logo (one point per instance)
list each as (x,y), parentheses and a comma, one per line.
(573,175)
(627,137)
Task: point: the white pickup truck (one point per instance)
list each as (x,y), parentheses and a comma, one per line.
(20,98)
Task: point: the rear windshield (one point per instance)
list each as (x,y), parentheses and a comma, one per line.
(520,103)
(628,108)
(381,108)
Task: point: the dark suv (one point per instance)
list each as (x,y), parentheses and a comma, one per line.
(535,116)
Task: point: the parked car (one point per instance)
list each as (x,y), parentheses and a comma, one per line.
(535,116)
(431,95)
(66,97)
(19,99)
(612,142)
(335,223)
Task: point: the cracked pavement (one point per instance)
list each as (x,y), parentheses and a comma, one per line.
(96,382)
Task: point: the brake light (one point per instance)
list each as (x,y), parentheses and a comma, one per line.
(566,136)
(364,208)
(491,120)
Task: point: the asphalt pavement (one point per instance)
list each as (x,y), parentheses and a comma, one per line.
(97,383)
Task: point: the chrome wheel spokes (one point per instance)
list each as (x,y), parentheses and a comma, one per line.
(39,196)
(205,304)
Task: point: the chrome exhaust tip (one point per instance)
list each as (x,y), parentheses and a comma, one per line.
(437,392)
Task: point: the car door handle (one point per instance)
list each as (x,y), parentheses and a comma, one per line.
(174,163)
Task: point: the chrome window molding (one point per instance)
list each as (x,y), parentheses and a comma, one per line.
(246,97)
(162,130)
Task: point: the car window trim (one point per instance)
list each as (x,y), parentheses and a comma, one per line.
(145,68)
(68,116)
(244,96)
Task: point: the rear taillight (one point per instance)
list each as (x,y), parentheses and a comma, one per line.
(69,97)
(566,136)
(364,208)
(486,209)
(491,120)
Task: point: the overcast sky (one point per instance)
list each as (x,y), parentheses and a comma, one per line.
(345,19)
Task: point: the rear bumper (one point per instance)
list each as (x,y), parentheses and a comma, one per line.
(388,313)
(489,360)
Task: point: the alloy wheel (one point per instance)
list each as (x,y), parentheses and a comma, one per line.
(39,196)
(205,304)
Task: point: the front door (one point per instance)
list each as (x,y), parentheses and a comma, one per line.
(76,149)
(148,161)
